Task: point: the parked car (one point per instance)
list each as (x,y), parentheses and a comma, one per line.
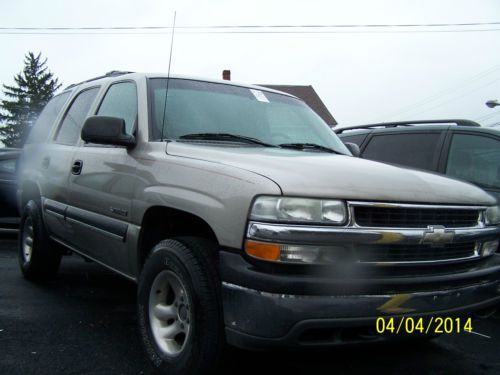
(458,148)
(244,219)
(9,216)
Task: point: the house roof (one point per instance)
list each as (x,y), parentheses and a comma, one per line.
(308,95)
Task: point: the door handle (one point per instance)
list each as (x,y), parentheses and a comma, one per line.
(77,167)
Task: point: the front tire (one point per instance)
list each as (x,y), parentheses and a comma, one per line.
(39,258)
(179,307)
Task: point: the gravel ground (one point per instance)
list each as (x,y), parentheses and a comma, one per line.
(84,322)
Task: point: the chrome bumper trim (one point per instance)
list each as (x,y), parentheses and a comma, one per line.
(317,235)
(415,205)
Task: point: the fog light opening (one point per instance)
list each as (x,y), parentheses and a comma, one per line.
(489,248)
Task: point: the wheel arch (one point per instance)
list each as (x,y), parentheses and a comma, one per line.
(161,222)
(29,191)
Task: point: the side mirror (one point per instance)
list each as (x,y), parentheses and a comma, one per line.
(107,131)
(354,148)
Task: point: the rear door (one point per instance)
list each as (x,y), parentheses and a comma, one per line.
(101,190)
(54,160)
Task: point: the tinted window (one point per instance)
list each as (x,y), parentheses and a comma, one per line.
(8,166)
(416,150)
(121,101)
(69,132)
(46,120)
(476,159)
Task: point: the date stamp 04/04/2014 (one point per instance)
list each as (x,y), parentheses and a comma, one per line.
(425,326)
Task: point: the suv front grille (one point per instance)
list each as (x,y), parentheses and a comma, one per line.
(415,253)
(414,217)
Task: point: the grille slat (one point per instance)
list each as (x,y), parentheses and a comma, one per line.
(403,217)
(414,253)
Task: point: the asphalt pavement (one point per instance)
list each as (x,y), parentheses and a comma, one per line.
(84,322)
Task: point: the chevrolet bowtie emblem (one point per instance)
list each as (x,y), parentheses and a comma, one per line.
(437,235)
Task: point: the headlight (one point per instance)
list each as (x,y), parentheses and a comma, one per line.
(492,215)
(299,210)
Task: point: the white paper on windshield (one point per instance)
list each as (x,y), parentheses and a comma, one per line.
(259,95)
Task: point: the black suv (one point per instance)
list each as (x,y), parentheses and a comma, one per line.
(458,148)
(9,217)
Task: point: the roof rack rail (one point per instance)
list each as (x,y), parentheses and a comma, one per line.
(112,73)
(457,122)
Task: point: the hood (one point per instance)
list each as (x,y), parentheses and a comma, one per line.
(324,175)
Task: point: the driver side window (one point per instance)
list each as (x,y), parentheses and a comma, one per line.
(121,101)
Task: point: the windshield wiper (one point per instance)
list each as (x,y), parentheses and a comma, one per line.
(310,146)
(225,137)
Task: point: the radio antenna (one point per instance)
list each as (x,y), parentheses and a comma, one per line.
(168,77)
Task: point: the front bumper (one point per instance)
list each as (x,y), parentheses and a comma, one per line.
(263,309)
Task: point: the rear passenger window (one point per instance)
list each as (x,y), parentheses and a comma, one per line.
(46,120)
(121,101)
(69,132)
(417,150)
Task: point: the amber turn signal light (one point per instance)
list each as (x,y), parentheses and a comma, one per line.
(261,250)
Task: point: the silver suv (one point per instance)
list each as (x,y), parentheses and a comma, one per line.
(244,219)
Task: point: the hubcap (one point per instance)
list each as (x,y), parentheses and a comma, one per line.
(169,313)
(28,239)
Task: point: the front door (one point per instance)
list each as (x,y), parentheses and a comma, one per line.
(101,186)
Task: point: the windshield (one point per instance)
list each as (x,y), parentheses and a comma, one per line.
(197,107)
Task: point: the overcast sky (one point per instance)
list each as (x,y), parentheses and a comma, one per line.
(363,76)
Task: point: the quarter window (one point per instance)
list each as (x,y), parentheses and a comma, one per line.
(71,127)
(121,101)
(475,159)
